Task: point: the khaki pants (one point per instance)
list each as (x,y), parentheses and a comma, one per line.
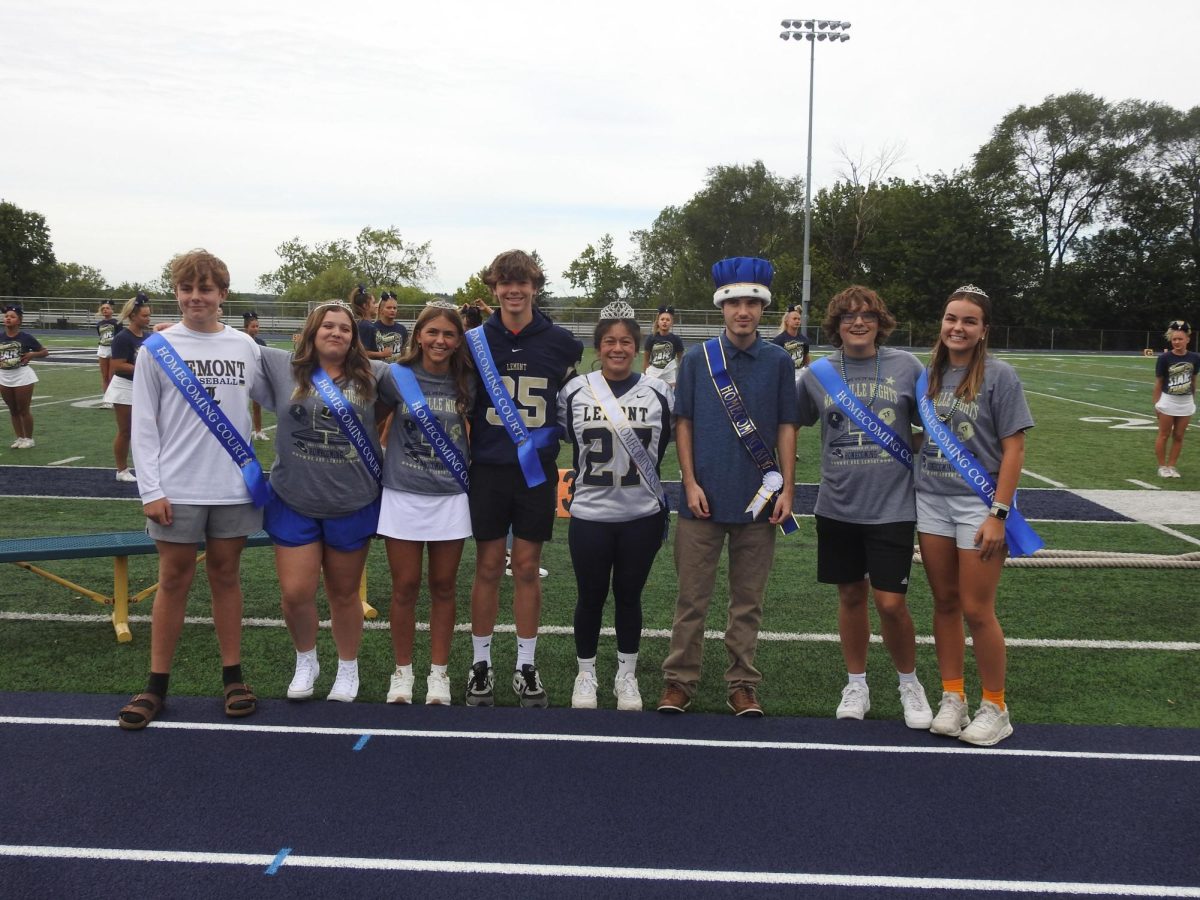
(698,544)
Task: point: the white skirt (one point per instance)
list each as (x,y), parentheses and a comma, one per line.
(103,352)
(120,390)
(1176,405)
(18,377)
(424,517)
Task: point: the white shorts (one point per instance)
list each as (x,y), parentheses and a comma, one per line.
(1176,405)
(103,352)
(955,516)
(424,517)
(120,390)
(18,377)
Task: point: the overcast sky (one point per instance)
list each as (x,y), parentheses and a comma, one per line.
(141,129)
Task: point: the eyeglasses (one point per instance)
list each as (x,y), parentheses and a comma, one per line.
(667,309)
(869,318)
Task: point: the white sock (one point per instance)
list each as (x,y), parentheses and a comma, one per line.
(307,654)
(587,665)
(626,663)
(858,678)
(525,651)
(404,670)
(348,667)
(909,678)
(437,670)
(483,648)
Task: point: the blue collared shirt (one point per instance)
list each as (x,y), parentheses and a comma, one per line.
(765,378)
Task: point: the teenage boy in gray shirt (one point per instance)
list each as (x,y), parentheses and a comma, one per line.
(866,510)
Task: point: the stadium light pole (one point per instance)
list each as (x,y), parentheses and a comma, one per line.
(811,30)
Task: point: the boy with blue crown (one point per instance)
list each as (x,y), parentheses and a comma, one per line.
(735,404)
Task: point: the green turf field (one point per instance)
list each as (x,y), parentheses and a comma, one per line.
(1095,431)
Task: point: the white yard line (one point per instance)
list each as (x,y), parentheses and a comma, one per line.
(1049,481)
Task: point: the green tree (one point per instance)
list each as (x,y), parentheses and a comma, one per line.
(599,274)
(75,280)
(375,257)
(27,264)
(475,289)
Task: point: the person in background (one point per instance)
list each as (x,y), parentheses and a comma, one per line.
(663,350)
(618,512)
(17,377)
(365,310)
(390,335)
(106,329)
(1174,396)
(791,340)
(250,326)
(135,317)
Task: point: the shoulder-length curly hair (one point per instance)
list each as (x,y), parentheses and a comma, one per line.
(356,368)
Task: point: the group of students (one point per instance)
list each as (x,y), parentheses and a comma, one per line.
(476,419)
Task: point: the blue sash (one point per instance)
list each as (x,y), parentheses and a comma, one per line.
(527,441)
(211,414)
(745,429)
(347,422)
(876,430)
(1022,539)
(419,409)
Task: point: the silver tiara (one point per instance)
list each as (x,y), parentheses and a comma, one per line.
(339,303)
(618,309)
(971,289)
(441,304)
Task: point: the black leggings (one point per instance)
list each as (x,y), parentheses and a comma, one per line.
(622,552)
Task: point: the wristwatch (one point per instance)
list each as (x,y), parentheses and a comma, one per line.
(999,510)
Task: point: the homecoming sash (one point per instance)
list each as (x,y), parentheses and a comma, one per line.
(347,422)
(836,387)
(211,414)
(624,431)
(1022,539)
(527,441)
(744,428)
(443,445)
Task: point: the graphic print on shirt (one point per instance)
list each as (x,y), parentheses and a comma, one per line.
(852,446)
(10,353)
(212,373)
(418,452)
(933,461)
(317,437)
(661,354)
(795,348)
(106,330)
(1179,378)
(597,443)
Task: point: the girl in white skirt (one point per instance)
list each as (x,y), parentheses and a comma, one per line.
(424,501)
(135,314)
(17,377)
(1174,396)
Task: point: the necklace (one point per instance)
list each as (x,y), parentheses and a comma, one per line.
(945,417)
(875,389)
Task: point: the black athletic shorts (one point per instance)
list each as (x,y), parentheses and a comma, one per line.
(500,498)
(848,553)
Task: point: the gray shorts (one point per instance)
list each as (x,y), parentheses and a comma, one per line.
(955,516)
(193,524)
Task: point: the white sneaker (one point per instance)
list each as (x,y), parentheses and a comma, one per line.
(24,443)
(1173,472)
(625,689)
(917,713)
(583,695)
(308,669)
(856,701)
(127,476)
(990,726)
(437,691)
(345,687)
(17,445)
(401,688)
(542,573)
(1164,471)
(952,715)
(105,405)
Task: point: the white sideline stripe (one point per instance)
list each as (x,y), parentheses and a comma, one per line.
(1049,481)
(625,873)
(1139,415)
(637,740)
(63,462)
(712,635)
(69,400)
(1153,487)
(1171,531)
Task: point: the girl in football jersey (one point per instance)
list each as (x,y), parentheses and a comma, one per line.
(17,377)
(424,503)
(106,329)
(618,517)
(1174,396)
(663,349)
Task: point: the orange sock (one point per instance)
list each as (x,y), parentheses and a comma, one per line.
(996,697)
(954,686)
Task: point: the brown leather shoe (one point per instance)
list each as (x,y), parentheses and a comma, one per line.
(743,702)
(674,699)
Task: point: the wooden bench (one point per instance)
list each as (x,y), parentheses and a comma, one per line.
(119,545)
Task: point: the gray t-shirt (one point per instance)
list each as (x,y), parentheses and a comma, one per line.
(412,464)
(317,471)
(999,411)
(860,481)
